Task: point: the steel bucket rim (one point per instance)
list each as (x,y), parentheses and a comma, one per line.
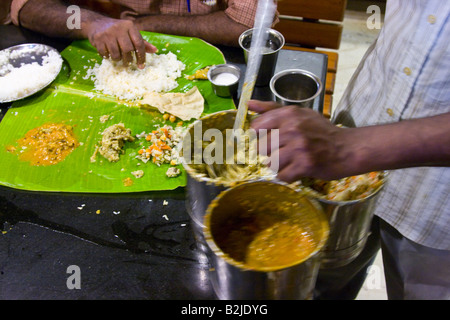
(348,202)
(199,177)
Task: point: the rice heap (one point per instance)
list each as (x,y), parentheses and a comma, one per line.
(18,82)
(130,83)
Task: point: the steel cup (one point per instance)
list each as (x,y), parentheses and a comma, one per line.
(228,88)
(296,87)
(269,59)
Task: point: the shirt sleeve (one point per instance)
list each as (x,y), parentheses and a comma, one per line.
(16,6)
(244,11)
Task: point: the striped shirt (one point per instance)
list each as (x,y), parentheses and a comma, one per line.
(405,74)
(241,11)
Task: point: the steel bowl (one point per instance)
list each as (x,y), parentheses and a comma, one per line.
(224,89)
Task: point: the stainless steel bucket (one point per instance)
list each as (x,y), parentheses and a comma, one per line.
(283,277)
(349,228)
(202,189)
(199,194)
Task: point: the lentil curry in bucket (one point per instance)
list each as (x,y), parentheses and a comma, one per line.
(264,226)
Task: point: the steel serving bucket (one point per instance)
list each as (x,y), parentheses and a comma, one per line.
(232,278)
(200,188)
(349,223)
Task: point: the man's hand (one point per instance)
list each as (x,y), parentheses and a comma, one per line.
(118,39)
(311,146)
(111,37)
(307,144)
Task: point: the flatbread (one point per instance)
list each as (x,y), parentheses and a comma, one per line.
(182,105)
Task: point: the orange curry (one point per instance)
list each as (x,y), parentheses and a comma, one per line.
(265,241)
(48,144)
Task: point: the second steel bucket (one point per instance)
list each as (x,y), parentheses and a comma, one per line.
(349,229)
(349,221)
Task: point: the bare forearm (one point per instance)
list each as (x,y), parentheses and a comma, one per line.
(113,38)
(308,145)
(410,143)
(49,17)
(215,28)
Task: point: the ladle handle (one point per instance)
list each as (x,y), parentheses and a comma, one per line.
(263,21)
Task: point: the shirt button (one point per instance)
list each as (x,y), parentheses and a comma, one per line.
(390,112)
(431,19)
(407,71)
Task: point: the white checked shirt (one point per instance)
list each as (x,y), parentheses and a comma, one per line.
(405,74)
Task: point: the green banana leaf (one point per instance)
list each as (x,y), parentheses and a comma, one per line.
(72,99)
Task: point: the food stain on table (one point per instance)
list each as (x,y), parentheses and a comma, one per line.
(48,144)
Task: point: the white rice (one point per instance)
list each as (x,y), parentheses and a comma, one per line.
(28,78)
(130,83)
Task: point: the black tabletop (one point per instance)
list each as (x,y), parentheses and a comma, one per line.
(113,246)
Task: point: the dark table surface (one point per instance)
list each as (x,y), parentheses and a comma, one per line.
(139,246)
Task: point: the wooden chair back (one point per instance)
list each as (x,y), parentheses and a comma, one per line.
(311,23)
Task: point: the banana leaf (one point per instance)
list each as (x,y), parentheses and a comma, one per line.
(72,99)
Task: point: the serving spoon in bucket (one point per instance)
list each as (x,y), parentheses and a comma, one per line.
(263,20)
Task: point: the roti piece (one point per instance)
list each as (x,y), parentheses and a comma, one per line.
(182,105)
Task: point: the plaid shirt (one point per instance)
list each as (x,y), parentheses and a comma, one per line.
(241,11)
(404,75)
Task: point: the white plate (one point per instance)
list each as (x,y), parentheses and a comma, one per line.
(27,54)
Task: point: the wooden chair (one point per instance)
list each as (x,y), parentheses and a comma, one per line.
(314,26)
